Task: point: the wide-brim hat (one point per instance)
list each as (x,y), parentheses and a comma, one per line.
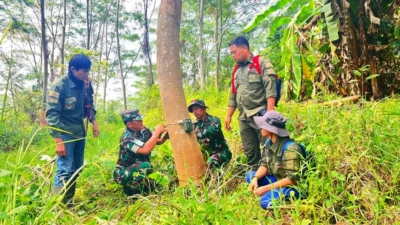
(197,102)
(273,122)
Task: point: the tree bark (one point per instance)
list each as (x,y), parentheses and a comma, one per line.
(188,159)
(45,56)
(119,60)
(201,55)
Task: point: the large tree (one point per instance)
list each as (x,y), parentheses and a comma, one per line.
(189,161)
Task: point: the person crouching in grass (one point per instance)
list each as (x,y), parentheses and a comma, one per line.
(280,165)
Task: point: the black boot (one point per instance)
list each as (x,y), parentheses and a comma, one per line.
(68,199)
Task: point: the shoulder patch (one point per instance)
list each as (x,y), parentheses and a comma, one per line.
(54,94)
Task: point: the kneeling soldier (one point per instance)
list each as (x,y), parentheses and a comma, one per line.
(136,144)
(209,134)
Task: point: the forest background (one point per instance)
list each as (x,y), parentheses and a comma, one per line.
(322,49)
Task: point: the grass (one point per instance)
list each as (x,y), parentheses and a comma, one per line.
(356,180)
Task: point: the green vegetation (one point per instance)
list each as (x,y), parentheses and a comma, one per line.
(356,181)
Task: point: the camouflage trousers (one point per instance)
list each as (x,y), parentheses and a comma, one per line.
(134,178)
(218,158)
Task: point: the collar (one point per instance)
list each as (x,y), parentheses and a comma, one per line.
(249,61)
(275,146)
(73,81)
(132,131)
(206,118)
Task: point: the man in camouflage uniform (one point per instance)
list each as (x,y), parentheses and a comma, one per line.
(69,102)
(209,134)
(136,144)
(280,168)
(253,94)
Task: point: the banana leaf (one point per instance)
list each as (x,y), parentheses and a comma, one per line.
(296,69)
(278,22)
(308,76)
(264,13)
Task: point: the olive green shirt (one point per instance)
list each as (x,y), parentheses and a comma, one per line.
(65,108)
(253,89)
(283,166)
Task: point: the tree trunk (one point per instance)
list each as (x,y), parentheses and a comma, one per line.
(188,159)
(216,43)
(63,39)
(106,74)
(146,43)
(88,24)
(376,92)
(201,55)
(119,60)
(45,56)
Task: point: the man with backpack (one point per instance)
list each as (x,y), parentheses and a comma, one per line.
(281,165)
(253,92)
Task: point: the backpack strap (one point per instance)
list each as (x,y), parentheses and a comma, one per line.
(289,142)
(256,64)
(268,143)
(233,88)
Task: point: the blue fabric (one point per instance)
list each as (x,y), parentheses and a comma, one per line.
(268,198)
(67,165)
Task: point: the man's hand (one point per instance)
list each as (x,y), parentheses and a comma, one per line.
(253,184)
(95,129)
(60,147)
(231,111)
(262,190)
(228,123)
(159,129)
(164,135)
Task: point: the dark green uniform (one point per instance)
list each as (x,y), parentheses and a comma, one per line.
(283,166)
(132,168)
(65,107)
(252,91)
(211,138)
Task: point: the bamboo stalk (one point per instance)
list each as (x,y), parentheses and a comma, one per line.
(343,100)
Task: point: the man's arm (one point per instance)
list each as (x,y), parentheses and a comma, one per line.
(213,129)
(261,172)
(278,184)
(151,143)
(291,160)
(231,111)
(269,81)
(53,111)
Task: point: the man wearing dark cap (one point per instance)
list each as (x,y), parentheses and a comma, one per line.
(253,92)
(209,134)
(136,144)
(69,102)
(281,162)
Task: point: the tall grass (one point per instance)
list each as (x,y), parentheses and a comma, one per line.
(356,179)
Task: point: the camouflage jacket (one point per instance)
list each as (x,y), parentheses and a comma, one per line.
(209,134)
(282,166)
(66,107)
(130,142)
(253,89)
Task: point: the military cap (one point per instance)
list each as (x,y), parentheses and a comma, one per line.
(197,102)
(131,114)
